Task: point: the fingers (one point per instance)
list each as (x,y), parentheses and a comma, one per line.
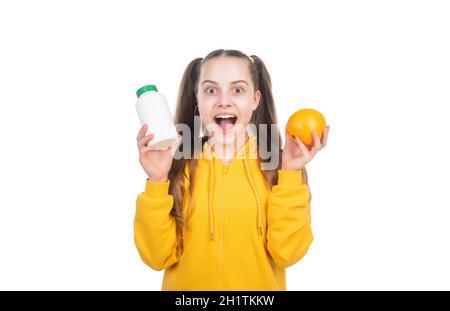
(145,149)
(317,146)
(302,147)
(175,146)
(142,131)
(145,140)
(320,143)
(325,136)
(288,143)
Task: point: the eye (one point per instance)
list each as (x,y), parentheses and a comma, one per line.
(241,90)
(208,90)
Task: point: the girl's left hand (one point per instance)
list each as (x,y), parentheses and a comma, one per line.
(295,154)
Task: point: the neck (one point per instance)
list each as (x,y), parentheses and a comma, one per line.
(226,152)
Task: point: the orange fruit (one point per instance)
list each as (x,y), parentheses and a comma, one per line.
(303,122)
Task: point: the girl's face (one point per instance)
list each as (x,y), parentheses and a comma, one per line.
(226,97)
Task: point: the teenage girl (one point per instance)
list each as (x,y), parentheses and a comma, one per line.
(217,220)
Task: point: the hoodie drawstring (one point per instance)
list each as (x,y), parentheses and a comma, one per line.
(255,192)
(211,188)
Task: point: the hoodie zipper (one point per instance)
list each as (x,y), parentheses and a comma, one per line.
(222,246)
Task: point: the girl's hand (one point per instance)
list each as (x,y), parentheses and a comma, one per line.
(295,154)
(156,163)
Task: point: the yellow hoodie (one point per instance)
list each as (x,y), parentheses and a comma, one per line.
(241,234)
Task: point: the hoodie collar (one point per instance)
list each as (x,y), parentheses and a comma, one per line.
(249,150)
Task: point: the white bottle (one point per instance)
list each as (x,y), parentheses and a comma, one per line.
(152,109)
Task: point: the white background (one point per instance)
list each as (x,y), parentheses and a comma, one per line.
(69,173)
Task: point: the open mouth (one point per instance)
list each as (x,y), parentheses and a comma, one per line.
(225,121)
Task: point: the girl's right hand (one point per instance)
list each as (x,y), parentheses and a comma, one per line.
(156,163)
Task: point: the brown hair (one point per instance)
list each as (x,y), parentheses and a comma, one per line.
(265,113)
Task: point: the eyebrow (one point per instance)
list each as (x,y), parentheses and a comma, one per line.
(214,82)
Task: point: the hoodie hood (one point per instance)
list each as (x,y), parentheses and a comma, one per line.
(246,152)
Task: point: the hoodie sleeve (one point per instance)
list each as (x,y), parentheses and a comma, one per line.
(154,227)
(289,233)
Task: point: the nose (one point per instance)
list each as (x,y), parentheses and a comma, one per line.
(225,101)
(226,104)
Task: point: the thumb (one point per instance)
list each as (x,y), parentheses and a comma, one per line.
(175,145)
(288,143)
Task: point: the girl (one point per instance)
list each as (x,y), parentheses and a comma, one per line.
(219,221)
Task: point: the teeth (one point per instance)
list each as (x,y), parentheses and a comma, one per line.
(225,116)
